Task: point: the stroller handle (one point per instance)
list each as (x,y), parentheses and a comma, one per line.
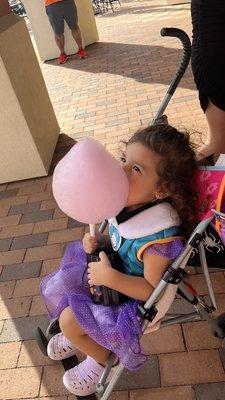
(186,43)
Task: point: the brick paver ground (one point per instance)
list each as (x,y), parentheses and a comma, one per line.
(116,90)
(120,86)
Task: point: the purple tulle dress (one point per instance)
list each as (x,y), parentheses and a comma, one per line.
(116,328)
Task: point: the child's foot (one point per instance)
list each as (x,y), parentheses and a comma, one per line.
(59,347)
(63,58)
(82,379)
(82,54)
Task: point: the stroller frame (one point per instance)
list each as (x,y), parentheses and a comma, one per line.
(175,273)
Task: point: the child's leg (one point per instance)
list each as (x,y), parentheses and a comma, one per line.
(75,334)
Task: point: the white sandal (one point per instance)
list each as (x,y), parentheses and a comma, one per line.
(59,347)
(82,379)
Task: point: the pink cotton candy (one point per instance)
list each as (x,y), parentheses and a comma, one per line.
(89,184)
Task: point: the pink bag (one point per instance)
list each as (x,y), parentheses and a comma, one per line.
(211,184)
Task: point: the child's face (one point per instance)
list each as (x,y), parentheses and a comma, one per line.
(139,164)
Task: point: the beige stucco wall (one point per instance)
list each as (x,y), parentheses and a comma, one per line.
(43,33)
(28,129)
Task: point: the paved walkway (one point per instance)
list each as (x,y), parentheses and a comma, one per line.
(120,86)
(116,90)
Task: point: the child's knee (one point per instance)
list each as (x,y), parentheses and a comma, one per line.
(68,323)
(66,318)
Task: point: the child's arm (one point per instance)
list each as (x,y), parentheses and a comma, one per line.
(135,287)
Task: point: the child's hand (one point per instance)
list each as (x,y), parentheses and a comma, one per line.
(90,243)
(98,271)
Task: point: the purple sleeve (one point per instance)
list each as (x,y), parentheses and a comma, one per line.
(169,250)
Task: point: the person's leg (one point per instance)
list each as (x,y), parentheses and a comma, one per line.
(78,39)
(75,334)
(70,15)
(60,41)
(76,33)
(216,122)
(82,379)
(209,68)
(216,140)
(56,19)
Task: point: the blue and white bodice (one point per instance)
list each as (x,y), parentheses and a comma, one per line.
(158,224)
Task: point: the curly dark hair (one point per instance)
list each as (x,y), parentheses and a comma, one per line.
(176,169)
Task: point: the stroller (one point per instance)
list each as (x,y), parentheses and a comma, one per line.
(204,248)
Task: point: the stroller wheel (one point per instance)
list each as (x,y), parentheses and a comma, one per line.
(218,327)
(41,340)
(100,389)
(53,328)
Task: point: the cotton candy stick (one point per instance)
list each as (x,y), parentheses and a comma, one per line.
(92,229)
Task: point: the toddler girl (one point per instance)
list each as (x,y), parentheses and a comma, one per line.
(160,163)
